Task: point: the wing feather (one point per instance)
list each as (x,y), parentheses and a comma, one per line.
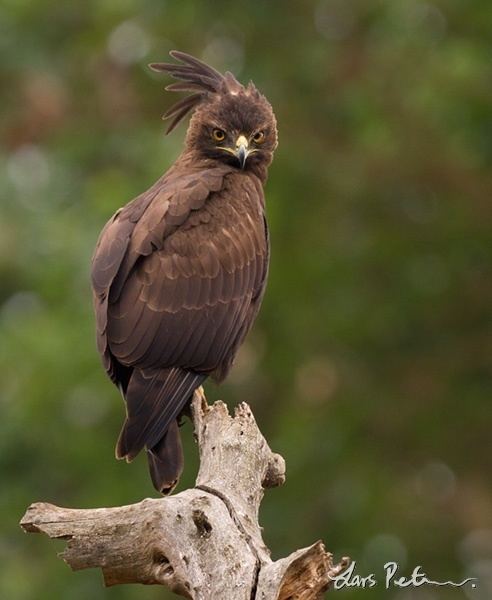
(134,232)
(183,280)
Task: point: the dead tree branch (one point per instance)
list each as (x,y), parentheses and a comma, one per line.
(204,543)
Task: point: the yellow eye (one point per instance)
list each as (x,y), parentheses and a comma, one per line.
(218,135)
(259,137)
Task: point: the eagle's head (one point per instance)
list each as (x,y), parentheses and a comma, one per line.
(230,123)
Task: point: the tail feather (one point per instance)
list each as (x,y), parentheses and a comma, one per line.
(154,400)
(166,460)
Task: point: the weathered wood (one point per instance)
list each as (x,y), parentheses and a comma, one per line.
(304,575)
(204,543)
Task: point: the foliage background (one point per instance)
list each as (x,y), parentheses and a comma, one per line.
(369,368)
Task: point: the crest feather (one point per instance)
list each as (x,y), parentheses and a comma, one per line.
(195,76)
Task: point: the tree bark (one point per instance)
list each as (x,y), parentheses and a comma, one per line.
(204,543)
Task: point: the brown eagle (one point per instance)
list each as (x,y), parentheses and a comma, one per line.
(179,273)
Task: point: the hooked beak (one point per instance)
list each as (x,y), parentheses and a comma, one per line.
(242,152)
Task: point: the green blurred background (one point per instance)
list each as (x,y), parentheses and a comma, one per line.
(369,368)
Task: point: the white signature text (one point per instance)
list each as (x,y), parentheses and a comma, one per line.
(392,578)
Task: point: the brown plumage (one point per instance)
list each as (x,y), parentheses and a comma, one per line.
(178,274)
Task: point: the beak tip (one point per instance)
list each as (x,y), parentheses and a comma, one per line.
(242,155)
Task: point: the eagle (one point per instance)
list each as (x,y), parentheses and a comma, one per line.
(179,273)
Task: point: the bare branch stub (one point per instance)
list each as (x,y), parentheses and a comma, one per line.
(304,575)
(203,543)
